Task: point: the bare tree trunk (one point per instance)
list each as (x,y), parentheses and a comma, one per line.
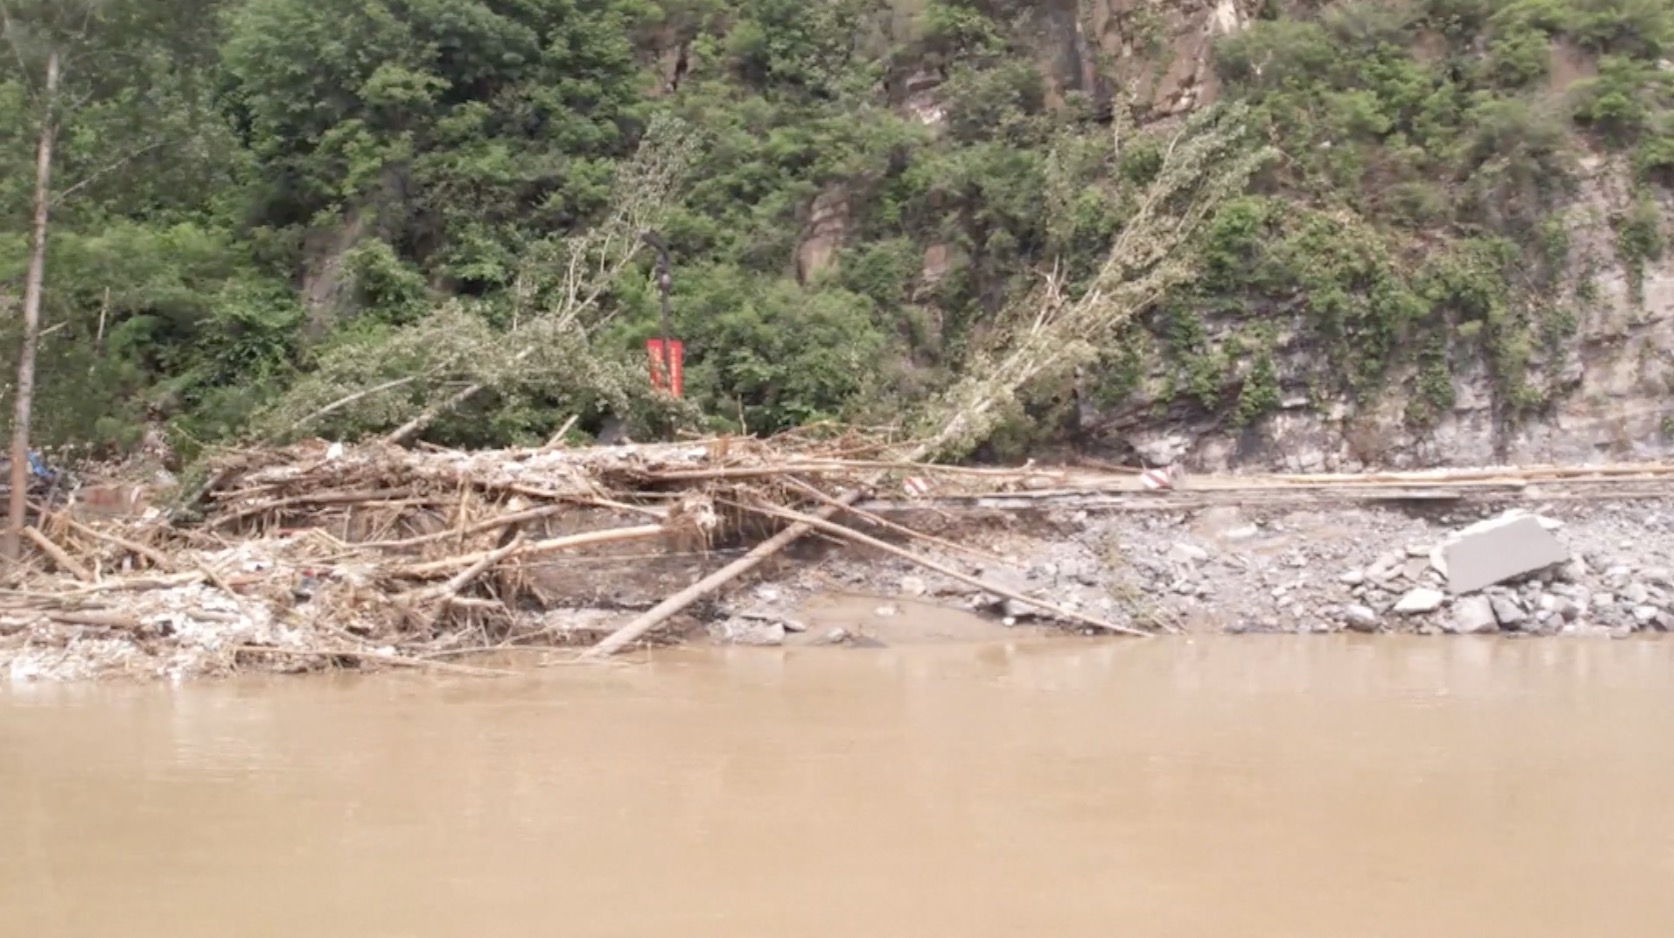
(31,319)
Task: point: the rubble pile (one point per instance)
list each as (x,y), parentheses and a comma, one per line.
(322,554)
(1580,568)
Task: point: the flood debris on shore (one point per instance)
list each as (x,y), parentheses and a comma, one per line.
(319,554)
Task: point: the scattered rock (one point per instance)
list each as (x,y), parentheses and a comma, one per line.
(748,630)
(1419,601)
(1187,553)
(1508,611)
(1473,615)
(1360,618)
(913,586)
(1353,578)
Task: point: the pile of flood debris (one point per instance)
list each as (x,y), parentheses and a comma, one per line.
(323,554)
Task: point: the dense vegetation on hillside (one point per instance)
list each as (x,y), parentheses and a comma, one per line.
(263,207)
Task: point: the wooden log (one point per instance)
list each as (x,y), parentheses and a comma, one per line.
(656,615)
(551,545)
(133,547)
(828,527)
(392,660)
(64,561)
(459,580)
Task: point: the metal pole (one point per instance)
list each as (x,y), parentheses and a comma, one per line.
(664,281)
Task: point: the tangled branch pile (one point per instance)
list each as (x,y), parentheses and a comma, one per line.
(319,553)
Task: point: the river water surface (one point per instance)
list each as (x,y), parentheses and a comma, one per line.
(1227,788)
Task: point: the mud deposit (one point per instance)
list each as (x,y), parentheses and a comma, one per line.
(1266,787)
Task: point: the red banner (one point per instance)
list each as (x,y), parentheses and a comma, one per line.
(676,352)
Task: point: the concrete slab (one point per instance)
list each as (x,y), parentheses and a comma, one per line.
(1499,550)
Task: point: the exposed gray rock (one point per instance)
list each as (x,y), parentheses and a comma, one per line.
(1187,553)
(1508,611)
(1473,615)
(1498,550)
(1419,601)
(748,630)
(1360,618)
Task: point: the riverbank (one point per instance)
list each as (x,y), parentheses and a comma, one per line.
(312,597)
(1192,572)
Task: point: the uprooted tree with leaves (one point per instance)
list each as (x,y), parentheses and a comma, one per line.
(401,380)
(1208,162)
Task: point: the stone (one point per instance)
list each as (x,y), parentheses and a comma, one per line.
(1508,611)
(1573,572)
(1499,550)
(1645,615)
(1385,565)
(836,636)
(1438,560)
(1414,569)
(1418,551)
(1636,593)
(1419,601)
(1360,618)
(1352,578)
(1658,576)
(913,586)
(1473,615)
(1187,553)
(887,610)
(743,630)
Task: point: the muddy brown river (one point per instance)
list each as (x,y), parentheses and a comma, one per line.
(1246,787)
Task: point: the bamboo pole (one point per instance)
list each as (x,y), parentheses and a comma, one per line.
(551,545)
(656,615)
(928,564)
(64,561)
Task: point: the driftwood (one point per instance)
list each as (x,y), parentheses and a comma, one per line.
(660,613)
(828,527)
(414,551)
(63,560)
(551,545)
(372,656)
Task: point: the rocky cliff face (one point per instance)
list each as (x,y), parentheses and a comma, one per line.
(1608,390)
(1611,385)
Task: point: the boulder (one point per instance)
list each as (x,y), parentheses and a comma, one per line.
(1508,611)
(1473,615)
(1419,601)
(1360,618)
(1498,550)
